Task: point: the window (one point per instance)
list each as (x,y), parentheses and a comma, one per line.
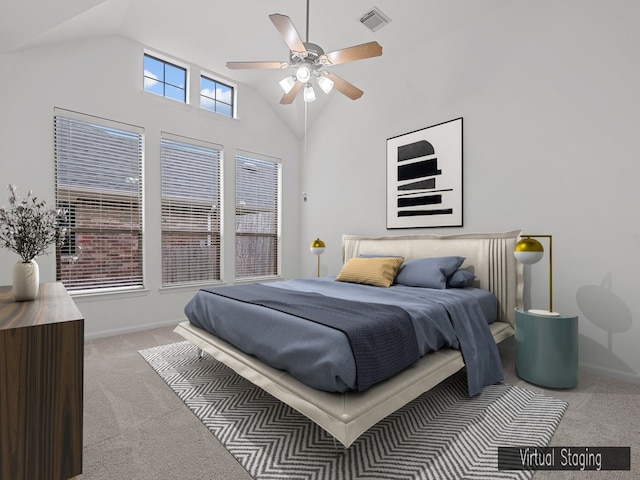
(191,210)
(165,79)
(216,96)
(257,217)
(98,174)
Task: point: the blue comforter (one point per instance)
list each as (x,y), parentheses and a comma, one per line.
(321,356)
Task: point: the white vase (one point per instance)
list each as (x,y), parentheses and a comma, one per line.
(26,280)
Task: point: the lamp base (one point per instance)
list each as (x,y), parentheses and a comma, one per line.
(546,313)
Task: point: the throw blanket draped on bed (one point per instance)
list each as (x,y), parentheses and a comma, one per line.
(382,337)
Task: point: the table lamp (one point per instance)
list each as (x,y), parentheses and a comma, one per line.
(529,251)
(317,247)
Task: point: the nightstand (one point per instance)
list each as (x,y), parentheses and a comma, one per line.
(547,349)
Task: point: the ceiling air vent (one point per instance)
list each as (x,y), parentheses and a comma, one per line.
(374,19)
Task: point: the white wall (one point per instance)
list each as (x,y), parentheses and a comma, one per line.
(549,95)
(103,77)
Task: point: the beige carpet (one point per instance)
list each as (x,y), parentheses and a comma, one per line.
(136,427)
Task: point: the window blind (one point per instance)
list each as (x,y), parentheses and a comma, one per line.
(257,217)
(98,175)
(191,211)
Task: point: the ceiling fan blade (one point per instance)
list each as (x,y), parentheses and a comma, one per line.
(288,32)
(288,98)
(349,54)
(345,87)
(240,65)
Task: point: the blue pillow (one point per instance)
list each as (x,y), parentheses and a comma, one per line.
(428,272)
(460,279)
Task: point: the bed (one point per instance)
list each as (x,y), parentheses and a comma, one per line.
(346,415)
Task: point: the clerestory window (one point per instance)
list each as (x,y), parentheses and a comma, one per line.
(216,96)
(164,78)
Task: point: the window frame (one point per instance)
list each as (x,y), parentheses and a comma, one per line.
(82,196)
(277,234)
(226,83)
(210,232)
(166,61)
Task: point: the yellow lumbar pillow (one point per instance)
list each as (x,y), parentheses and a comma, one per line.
(378,271)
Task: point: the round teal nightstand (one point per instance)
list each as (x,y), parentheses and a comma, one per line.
(547,349)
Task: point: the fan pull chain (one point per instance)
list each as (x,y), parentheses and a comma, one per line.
(305,131)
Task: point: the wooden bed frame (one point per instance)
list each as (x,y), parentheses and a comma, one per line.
(348,415)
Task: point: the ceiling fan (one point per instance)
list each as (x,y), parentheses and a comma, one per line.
(308,60)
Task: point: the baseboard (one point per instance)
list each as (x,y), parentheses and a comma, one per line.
(607,372)
(132,329)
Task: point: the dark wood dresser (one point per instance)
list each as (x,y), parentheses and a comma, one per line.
(41,385)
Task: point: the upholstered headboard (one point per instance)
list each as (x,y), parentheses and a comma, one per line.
(489,256)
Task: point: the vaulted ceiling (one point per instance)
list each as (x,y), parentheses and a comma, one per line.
(209,33)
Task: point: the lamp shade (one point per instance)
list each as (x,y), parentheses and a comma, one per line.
(325,83)
(287,83)
(309,95)
(528,251)
(317,247)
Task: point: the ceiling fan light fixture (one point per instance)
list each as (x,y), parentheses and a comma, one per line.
(325,83)
(309,93)
(303,73)
(307,60)
(287,83)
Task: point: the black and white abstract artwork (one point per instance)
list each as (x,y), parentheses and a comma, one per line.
(424,177)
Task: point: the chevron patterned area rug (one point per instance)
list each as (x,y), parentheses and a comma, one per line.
(443,434)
